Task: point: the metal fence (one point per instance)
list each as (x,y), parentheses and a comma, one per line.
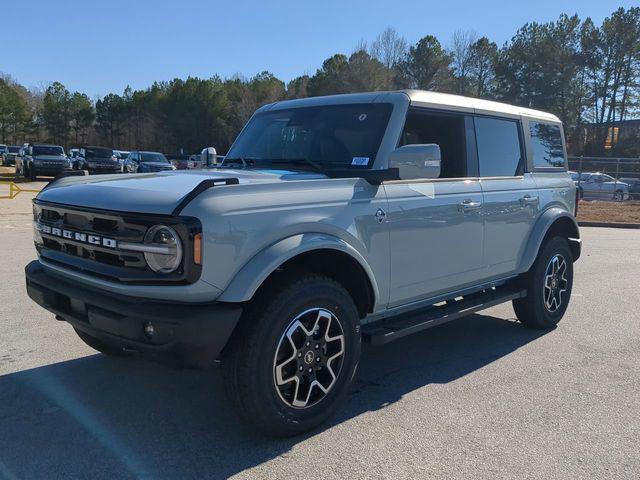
(616,167)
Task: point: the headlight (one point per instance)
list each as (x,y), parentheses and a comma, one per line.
(163,249)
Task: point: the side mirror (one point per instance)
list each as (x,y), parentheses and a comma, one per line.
(416,161)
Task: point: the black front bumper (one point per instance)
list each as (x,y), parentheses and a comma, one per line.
(192,334)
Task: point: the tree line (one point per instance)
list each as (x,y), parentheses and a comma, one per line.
(587,74)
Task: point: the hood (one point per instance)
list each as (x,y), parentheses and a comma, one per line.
(154,193)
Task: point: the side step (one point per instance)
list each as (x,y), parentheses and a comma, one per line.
(389,329)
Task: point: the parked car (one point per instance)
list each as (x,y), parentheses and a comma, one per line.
(600,186)
(122,156)
(42,160)
(10,157)
(634,187)
(74,156)
(332,220)
(99,160)
(143,162)
(181,162)
(3,154)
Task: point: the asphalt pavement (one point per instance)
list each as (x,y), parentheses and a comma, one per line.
(480,397)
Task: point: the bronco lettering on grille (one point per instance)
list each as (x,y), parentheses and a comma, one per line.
(77,236)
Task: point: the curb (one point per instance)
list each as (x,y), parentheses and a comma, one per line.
(609,224)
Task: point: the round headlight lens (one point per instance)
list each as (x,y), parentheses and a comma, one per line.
(165,252)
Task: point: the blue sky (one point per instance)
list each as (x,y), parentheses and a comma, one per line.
(101,46)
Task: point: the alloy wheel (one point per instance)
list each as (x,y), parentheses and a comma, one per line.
(309,358)
(555,283)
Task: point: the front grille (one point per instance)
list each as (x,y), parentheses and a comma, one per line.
(43,163)
(89,223)
(64,237)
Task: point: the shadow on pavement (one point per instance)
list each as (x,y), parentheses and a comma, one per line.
(100,417)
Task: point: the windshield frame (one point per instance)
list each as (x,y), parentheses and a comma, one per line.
(100,151)
(383,111)
(54,150)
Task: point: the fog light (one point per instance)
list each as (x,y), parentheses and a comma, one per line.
(149,330)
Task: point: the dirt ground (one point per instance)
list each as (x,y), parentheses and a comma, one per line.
(618,212)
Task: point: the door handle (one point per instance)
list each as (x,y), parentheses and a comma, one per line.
(469,206)
(528,200)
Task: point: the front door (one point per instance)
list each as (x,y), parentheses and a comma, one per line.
(436,237)
(435,225)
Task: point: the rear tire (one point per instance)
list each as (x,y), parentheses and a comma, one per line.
(548,284)
(291,342)
(100,346)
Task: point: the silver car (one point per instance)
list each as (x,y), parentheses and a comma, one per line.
(600,186)
(332,221)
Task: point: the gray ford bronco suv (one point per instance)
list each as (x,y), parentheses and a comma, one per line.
(332,221)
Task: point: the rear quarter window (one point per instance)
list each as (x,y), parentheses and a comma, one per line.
(546,145)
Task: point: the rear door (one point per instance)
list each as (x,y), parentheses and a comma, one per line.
(510,195)
(435,225)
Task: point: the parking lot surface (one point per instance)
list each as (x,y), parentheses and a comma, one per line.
(480,397)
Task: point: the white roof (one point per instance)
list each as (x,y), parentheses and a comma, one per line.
(469,104)
(422,98)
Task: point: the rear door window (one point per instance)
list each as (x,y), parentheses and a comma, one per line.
(546,143)
(499,147)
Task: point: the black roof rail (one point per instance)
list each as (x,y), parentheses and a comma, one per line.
(201,187)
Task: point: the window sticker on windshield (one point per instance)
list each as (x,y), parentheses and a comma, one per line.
(362,117)
(360,161)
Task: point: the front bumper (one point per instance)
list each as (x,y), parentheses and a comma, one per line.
(192,334)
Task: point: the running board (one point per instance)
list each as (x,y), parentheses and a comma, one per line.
(389,329)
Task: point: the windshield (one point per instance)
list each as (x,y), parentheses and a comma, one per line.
(153,157)
(93,152)
(3,148)
(327,137)
(14,149)
(47,150)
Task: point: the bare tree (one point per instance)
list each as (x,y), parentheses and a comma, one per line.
(462,58)
(389,48)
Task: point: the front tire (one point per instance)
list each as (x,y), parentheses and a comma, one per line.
(548,284)
(618,196)
(289,364)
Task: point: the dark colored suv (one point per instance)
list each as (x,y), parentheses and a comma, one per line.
(99,160)
(42,159)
